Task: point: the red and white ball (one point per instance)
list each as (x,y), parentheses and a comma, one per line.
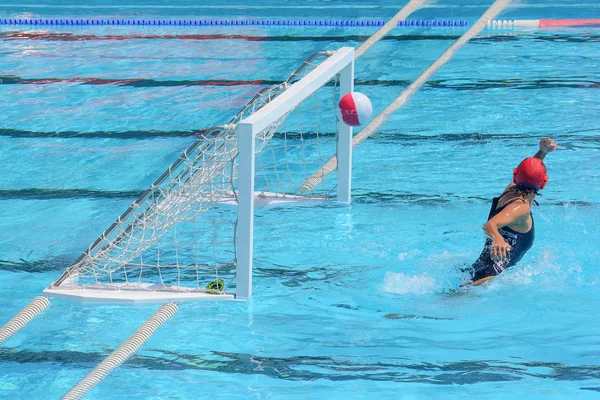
(355,108)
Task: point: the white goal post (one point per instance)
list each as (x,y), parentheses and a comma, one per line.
(340,62)
(198,216)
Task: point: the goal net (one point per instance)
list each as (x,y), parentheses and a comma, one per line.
(181,239)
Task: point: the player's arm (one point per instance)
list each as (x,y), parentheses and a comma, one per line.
(546,146)
(512,213)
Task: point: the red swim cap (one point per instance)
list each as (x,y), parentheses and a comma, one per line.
(531,173)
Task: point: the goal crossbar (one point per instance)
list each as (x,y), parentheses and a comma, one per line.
(299,91)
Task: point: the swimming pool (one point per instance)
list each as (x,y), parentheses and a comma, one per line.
(348,301)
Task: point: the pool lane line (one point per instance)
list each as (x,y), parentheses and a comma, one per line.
(135,134)
(500,36)
(71,37)
(462,84)
(412,316)
(131,135)
(227,22)
(59,194)
(39,266)
(133,82)
(390,135)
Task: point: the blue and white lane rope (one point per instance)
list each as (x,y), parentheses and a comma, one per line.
(223,22)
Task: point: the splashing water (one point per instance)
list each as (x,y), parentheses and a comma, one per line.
(403,284)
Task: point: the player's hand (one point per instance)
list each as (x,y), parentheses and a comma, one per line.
(499,250)
(547,145)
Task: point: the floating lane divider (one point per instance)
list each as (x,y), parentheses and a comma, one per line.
(224,22)
(331,165)
(122,354)
(25,316)
(496,24)
(542,23)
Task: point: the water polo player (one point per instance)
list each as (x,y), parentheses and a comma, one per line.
(510,229)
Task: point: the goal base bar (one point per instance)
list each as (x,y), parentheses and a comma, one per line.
(262,199)
(134,294)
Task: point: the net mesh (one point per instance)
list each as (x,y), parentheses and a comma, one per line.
(306,137)
(181,233)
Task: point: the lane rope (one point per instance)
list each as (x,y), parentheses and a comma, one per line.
(331,164)
(225,22)
(25,316)
(122,354)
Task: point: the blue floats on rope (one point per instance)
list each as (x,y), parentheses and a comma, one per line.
(230,22)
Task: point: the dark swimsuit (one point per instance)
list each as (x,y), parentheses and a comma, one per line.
(519,243)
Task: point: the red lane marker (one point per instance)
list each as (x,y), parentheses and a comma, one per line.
(69,37)
(549,23)
(41,81)
(226,83)
(101,81)
(151,82)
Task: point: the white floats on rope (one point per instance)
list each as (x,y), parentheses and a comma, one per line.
(406,94)
(408,9)
(541,23)
(120,355)
(28,313)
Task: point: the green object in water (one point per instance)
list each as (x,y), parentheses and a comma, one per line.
(215,286)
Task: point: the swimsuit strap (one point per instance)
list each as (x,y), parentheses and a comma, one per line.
(509,201)
(512,201)
(535,202)
(510,189)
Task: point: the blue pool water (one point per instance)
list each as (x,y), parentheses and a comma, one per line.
(349,302)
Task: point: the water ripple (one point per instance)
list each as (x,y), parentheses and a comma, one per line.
(309,368)
(453,84)
(391,197)
(38,266)
(53,194)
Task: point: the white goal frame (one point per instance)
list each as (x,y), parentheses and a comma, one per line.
(338,64)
